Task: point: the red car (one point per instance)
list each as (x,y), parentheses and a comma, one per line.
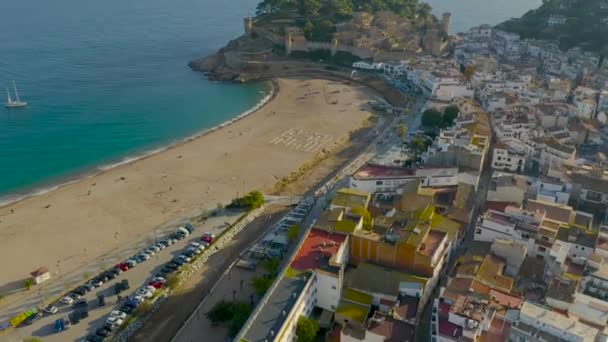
(208,238)
(156,284)
(123,266)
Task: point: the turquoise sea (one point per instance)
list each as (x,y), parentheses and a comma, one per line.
(108,80)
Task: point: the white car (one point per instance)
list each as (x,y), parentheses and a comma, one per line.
(197,245)
(185,258)
(150,288)
(113,320)
(144,293)
(155,248)
(118,314)
(149,251)
(194,250)
(67,300)
(159,279)
(160,246)
(131,263)
(144,256)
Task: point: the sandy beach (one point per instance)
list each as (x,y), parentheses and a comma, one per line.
(77,224)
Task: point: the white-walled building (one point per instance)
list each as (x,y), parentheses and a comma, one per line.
(507,160)
(537,323)
(320,260)
(378,178)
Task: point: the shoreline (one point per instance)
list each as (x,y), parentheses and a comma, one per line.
(53,185)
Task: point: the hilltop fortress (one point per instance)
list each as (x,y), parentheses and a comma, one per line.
(270,43)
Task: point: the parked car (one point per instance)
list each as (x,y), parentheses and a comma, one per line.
(166,269)
(110,275)
(123,266)
(103,277)
(101,300)
(149,251)
(131,263)
(97,281)
(135,300)
(128,309)
(159,279)
(66,324)
(32,318)
(90,287)
(121,286)
(189,227)
(119,314)
(74,295)
(143,256)
(166,241)
(144,292)
(208,237)
(175,266)
(116,270)
(94,338)
(177,261)
(58,325)
(81,303)
(160,246)
(114,321)
(185,258)
(51,309)
(81,290)
(190,253)
(103,332)
(183,231)
(156,284)
(155,248)
(109,327)
(67,300)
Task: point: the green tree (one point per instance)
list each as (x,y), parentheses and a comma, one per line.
(28,283)
(293,233)
(221,312)
(469,72)
(450,113)
(172,282)
(252,200)
(366,215)
(432,118)
(272,266)
(418,145)
(306,329)
(241,312)
(261,285)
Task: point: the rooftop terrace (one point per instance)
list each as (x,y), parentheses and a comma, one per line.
(318,247)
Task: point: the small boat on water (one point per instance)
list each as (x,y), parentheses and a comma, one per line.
(10,103)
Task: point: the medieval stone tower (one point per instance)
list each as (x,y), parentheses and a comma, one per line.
(248,22)
(446,18)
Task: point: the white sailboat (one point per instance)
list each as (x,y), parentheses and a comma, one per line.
(10,103)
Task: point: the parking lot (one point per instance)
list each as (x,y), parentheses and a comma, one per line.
(137,277)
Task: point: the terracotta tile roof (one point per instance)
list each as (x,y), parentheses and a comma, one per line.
(318,245)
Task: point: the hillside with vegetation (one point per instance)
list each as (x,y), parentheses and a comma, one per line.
(318,18)
(586,24)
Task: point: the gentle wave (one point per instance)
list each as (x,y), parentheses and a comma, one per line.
(12,198)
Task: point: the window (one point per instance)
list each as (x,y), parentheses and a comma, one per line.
(477,231)
(546,238)
(378,182)
(541,249)
(333,287)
